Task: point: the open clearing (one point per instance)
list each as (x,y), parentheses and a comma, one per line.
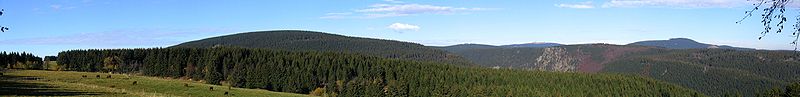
(68,83)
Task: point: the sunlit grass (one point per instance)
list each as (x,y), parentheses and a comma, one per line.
(122,85)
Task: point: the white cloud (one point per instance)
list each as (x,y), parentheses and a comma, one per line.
(61,7)
(342,13)
(381,15)
(397,10)
(580,5)
(675,3)
(55,7)
(403,27)
(414,9)
(394,1)
(336,15)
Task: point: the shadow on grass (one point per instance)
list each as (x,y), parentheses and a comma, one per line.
(16,85)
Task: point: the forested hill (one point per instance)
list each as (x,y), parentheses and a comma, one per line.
(296,40)
(684,43)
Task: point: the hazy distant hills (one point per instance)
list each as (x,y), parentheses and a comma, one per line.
(461,47)
(296,40)
(673,43)
(537,44)
(684,43)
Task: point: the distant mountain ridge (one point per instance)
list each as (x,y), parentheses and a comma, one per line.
(684,43)
(535,44)
(462,47)
(471,46)
(672,43)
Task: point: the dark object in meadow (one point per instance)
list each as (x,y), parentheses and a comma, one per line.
(134,82)
(84,76)
(185,85)
(211,88)
(108,76)
(1,74)
(112,86)
(98,76)
(226,93)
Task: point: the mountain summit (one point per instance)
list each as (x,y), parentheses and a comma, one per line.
(297,40)
(684,43)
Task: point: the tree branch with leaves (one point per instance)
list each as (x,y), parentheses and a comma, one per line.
(773,11)
(3,28)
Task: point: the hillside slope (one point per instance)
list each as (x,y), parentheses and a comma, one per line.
(583,58)
(295,40)
(499,57)
(712,71)
(715,71)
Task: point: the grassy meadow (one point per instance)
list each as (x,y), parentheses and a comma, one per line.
(68,83)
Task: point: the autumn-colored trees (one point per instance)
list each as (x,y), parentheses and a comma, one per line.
(20,60)
(111,63)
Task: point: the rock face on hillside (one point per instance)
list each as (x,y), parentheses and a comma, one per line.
(556,59)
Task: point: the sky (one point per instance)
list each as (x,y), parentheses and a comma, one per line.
(46,27)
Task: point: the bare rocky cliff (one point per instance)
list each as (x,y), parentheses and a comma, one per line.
(556,59)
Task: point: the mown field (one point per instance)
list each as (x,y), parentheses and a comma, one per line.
(68,83)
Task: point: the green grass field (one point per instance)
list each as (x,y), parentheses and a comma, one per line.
(68,83)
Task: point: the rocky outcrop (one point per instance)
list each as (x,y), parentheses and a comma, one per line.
(556,59)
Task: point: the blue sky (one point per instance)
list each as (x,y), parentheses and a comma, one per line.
(46,27)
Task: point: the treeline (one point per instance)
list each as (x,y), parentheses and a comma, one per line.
(20,60)
(348,75)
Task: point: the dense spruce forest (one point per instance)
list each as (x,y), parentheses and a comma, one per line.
(349,75)
(716,72)
(298,40)
(490,56)
(20,60)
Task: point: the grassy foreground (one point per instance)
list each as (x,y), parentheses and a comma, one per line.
(68,83)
